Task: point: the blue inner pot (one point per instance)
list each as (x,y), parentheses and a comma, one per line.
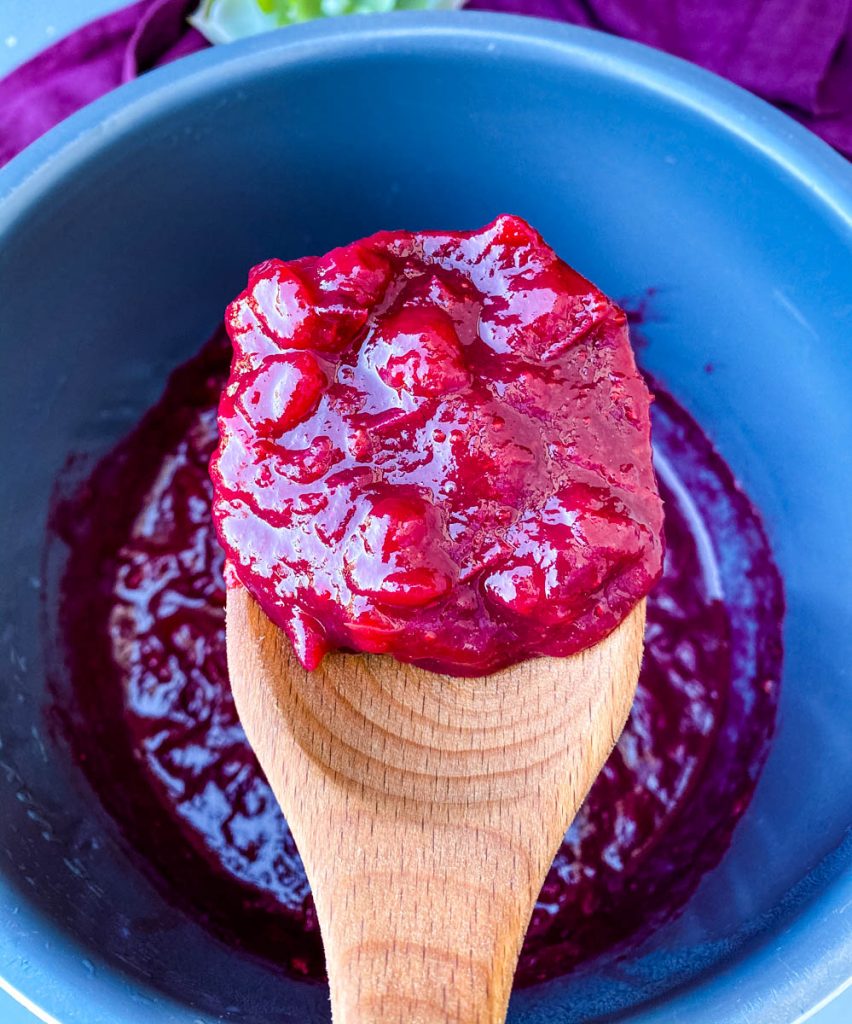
(126,230)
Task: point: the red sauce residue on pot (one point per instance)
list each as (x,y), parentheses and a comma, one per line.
(151,719)
(436,446)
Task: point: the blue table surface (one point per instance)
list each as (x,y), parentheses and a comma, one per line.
(26,26)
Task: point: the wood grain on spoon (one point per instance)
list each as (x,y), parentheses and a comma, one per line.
(427,809)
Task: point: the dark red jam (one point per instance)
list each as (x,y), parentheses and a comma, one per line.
(436,446)
(148,710)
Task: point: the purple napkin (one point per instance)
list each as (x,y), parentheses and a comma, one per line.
(795,53)
(88,63)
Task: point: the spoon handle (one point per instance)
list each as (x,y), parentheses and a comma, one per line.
(427,809)
(422,911)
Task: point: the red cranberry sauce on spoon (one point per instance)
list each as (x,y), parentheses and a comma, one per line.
(436,446)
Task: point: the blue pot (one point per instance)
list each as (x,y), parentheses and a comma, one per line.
(124,232)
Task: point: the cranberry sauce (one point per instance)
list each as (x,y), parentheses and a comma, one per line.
(152,721)
(436,446)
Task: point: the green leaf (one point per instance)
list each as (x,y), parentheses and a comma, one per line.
(223,21)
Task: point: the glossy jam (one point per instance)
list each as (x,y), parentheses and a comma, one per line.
(436,446)
(150,714)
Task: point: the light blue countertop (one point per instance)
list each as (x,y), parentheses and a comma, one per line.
(26,26)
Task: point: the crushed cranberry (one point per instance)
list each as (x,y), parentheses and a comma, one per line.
(436,446)
(151,720)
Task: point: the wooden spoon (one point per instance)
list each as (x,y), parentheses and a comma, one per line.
(427,809)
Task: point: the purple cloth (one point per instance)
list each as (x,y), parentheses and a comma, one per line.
(88,63)
(795,53)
